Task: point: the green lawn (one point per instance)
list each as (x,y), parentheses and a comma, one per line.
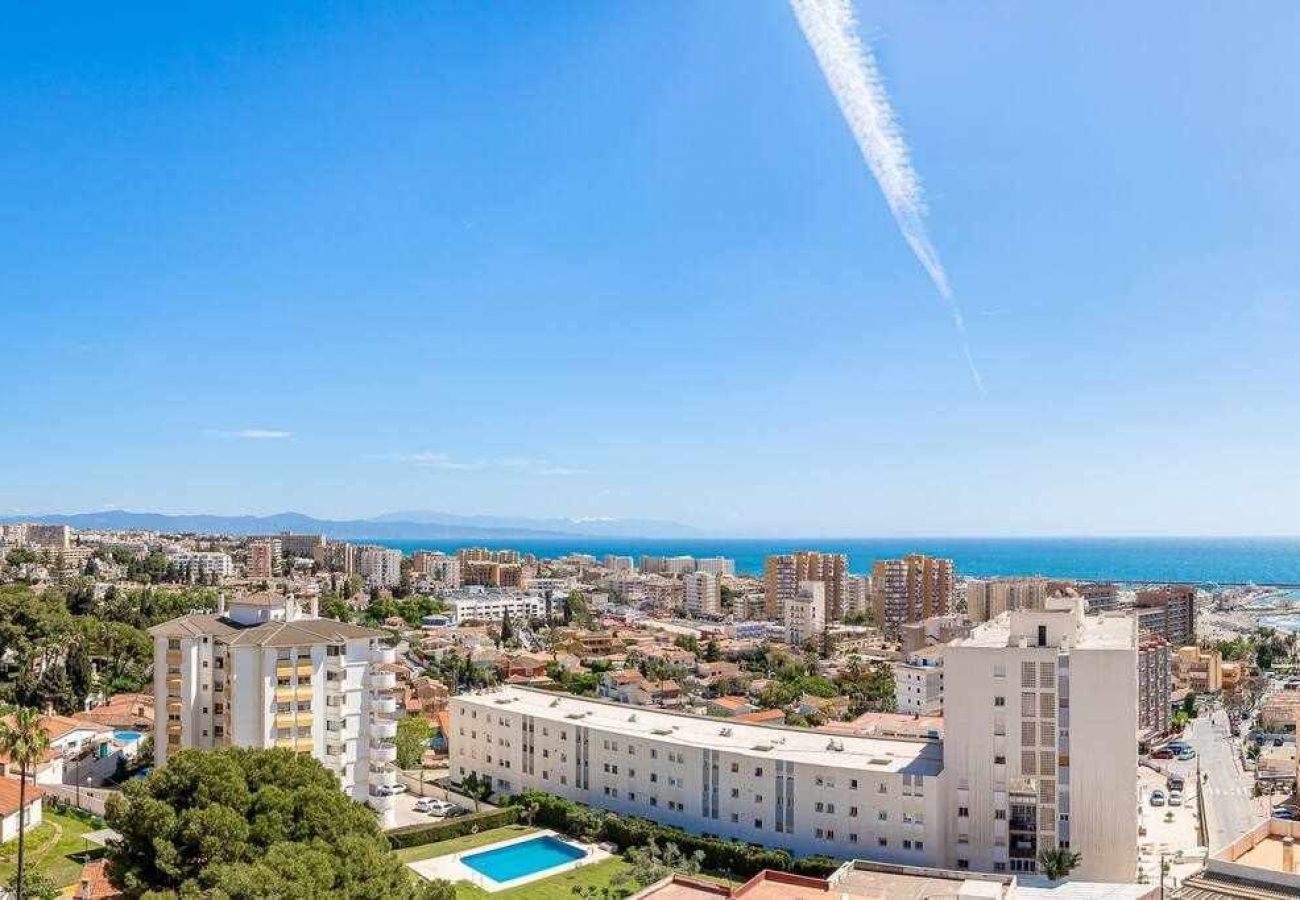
(48,848)
(557,887)
(457,845)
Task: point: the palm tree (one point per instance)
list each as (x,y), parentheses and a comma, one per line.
(24,741)
(1058,863)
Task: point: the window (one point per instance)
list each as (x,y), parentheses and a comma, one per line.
(963,812)
(735,768)
(883,842)
(1000,815)
(758,823)
(999,701)
(963,864)
(853,812)
(758,772)
(999,760)
(853,783)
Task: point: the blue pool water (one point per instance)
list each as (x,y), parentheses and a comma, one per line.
(523,858)
(126,737)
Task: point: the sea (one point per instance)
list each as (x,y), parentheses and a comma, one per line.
(1205,561)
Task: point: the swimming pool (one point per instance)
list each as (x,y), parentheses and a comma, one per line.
(524,858)
(126,737)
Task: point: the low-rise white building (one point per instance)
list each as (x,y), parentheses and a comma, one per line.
(484,605)
(805,791)
(205,562)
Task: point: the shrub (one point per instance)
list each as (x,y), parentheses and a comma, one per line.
(433,832)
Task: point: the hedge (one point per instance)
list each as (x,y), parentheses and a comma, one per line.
(433,832)
(720,855)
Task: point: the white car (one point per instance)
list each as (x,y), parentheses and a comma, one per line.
(389,790)
(1157,798)
(1175,798)
(435,807)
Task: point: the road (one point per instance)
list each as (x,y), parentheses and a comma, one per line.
(1230,807)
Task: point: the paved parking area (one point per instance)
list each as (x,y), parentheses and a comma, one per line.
(1170,832)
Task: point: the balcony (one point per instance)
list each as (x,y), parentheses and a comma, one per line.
(384,705)
(383,729)
(383,655)
(284,720)
(383,753)
(382,681)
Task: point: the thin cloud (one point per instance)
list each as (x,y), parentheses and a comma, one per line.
(439,461)
(252,434)
(831,30)
(514,463)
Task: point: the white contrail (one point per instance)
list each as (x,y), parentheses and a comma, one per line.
(832,31)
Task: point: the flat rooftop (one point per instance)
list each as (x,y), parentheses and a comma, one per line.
(867,754)
(1098,632)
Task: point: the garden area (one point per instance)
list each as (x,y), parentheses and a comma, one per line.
(51,847)
(649,851)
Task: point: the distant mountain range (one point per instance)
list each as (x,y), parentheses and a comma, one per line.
(413,524)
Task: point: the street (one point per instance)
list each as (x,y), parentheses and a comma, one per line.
(1230,807)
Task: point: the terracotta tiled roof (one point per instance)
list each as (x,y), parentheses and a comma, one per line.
(9,789)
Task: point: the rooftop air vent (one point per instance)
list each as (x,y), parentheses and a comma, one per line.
(762,748)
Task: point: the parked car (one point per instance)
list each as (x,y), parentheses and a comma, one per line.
(1291,813)
(390,790)
(442,808)
(1175,798)
(1157,797)
(1186,754)
(425,804)
(1163,754)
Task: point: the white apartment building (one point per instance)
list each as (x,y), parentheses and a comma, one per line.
(805,791)
(263,674)
(918,683)
(483,605)
(1027,695)
(716,565)
(379,566)
(805,613)
(205,562)
(703,597)
(619,563)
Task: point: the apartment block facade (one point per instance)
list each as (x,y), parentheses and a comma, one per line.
(805,613)
(1170,612)
(910,589)
(783,574)
(1155,683)
(1026,695)
(703,597)
(264,674)
(379,566)
(989,598)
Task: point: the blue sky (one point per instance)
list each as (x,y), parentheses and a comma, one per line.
(604,259)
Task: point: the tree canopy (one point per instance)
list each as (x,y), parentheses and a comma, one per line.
(242,823)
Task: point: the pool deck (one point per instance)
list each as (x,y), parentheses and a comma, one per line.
(451,868)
